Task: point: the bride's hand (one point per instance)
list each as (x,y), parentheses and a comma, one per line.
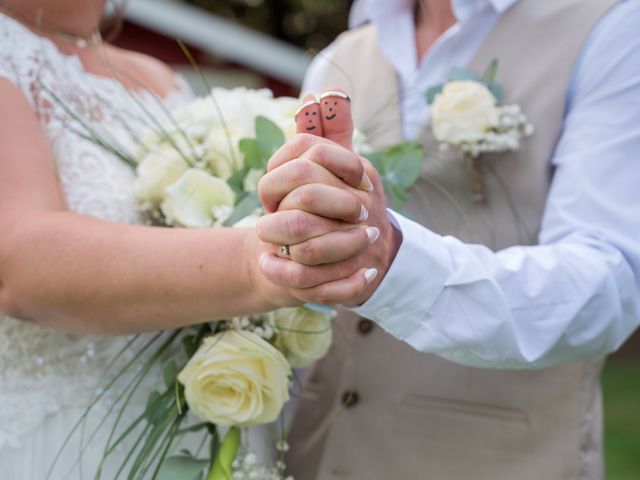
(328,207)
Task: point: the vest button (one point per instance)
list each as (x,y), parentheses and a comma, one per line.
(365,326)
(350,398)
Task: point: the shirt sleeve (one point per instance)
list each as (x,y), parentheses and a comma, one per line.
(575,295)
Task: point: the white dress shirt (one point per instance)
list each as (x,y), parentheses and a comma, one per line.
(576,294)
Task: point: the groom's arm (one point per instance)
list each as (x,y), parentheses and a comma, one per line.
(577,294)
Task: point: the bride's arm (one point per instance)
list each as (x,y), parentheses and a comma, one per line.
(80,274)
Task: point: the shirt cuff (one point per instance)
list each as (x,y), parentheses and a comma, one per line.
(413,282)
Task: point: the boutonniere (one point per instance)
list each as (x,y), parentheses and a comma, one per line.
(466,114)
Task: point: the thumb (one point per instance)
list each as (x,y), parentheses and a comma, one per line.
(337,122)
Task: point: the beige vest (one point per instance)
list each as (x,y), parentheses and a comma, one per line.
(374,408)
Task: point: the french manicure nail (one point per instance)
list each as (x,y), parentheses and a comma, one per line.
(370,274)
(373,233)
(366,184)
(364,214)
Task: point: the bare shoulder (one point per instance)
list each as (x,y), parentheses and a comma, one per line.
(144,70)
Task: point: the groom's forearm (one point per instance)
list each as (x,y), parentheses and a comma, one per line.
(524,307)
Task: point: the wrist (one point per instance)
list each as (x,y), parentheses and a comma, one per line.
(258,291)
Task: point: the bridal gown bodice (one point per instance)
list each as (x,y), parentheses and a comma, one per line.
(44,371)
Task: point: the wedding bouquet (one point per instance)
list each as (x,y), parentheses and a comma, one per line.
(200,169)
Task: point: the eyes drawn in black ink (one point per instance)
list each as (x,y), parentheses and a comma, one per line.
(311,121)
(332,114)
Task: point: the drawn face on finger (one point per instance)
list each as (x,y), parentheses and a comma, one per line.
(308,117)
(337,123)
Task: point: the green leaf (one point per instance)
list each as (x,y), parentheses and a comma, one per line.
(459,73)
(170,373)
(190,345)
(432,92)
(497,91)
(253,156)
(182,467)
(236,180)
(269,137)
(245,207)
(489,75)
(154,409)
(399,167)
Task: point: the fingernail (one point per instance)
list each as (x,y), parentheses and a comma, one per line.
(370,274)
(262,258)
(364,214)
(365,183)
(373,233)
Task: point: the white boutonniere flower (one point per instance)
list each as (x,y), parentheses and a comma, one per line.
(466,114)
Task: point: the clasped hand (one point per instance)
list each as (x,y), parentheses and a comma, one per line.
(325,204)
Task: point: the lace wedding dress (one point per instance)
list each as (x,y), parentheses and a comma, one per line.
(47,378)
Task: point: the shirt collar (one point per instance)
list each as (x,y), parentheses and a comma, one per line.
(364,11)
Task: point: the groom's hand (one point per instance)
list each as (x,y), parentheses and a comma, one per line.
(327,205)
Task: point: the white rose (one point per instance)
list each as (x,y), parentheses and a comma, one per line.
(224,155)
(194,198)
(303,335)
(236,378)
(464,112)
(157,170)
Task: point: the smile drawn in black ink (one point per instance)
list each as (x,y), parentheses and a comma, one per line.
(331,117)
(310,128)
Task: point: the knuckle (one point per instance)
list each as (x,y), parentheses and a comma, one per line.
(306,198)
(318,151)
(297,224)
(309,253)
(301,170)
(321,296)
(297,276)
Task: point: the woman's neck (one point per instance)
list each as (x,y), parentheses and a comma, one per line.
(433,18)
(80,18)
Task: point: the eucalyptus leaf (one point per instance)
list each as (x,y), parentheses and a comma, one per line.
(245,207)
(497,90)
(154,405)
(253,156)
(269,137)
(236,180)
(460,73)
(399,167)
(170,373)
(190,345)
(433,92)
(489,75)
(182,467)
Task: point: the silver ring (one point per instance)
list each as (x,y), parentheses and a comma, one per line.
(335,93)
(305,105)
(284,249)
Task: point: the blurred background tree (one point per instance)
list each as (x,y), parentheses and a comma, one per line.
(308,24)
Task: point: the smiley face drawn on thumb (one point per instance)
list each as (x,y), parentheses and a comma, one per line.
(337,122)
(308,117)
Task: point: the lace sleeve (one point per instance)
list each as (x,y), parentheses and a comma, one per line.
(21,56)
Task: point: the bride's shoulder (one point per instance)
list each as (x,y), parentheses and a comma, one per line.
(148,71)
(19,49)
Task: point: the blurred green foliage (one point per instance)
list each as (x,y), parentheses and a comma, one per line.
(309,24)
(621,389)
